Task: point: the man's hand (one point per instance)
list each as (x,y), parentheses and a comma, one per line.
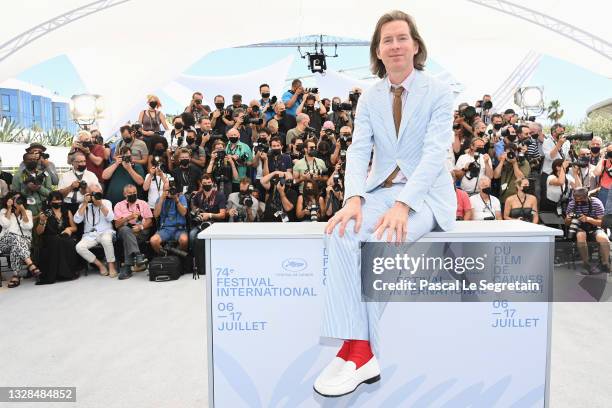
(126,165)
(233,212)
(137,228)
(75,184)
(216,114)
(394,220)
(351,210)
(584,218)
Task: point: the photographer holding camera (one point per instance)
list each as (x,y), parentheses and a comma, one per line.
(152,119)
(33,183)
(595,148)
(310,167)
(334,196)
(138,148)
(296,149)
(266,102)
(512,166)
(196,108)
(317,115)
(56,227)
(187,175)
(121,173)
(310,205)
(485,206)
(559,186)
(342,145)
(222,168)
(133,221)
(94,153)
(472,166)
(293,97)
(241,205)
(240,121)
(43,163)
(218,118)
(584,219)
(73,184)
(554,147)
(198,154)
(170,211)
(281,197)
(155,182)
(508,137)
(340,114)
(97,215)
(241,154)
(521,206)
(16,237)
(603,170)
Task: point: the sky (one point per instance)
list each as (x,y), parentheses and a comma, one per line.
(575,87)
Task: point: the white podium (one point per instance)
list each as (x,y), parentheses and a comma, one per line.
(265,285)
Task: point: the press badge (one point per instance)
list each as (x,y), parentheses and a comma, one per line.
(31,201)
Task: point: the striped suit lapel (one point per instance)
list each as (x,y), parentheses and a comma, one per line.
(418,89)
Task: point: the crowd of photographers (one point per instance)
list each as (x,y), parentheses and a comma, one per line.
(275,159)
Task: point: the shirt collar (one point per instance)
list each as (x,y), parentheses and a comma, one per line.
(406,83)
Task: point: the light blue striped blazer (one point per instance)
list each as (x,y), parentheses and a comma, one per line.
(420,149)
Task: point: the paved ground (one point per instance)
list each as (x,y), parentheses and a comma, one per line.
(136,343)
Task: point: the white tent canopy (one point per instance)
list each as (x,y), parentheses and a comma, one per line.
(124,50)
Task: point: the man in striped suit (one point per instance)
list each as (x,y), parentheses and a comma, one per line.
(406,118)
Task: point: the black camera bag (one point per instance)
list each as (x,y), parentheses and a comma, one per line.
(165,268)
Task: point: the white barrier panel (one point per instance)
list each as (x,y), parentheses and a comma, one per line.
(265,286)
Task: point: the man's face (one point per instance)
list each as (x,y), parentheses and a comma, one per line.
(306,122)
(279,107)
(478,145)
(480,127)
(263,136)
(595,143)
(297,85)
(206,182)
(219,147)
(237,103)
(327,105)
(78,160)
(276,145)
(312,147)
(85,138)
(396,48)
(299,144)
(309,104)
(205,124)
(184,156)
(507,117)
(484,183)
(497,120)
(219,100)
(559,131)
(129,191)
(264,90)
(525,133)
(179,123)
(244,187)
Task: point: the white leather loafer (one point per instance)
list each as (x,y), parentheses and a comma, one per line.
(347,378)
(329,371)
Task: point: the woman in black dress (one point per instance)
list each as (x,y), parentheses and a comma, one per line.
(58,257)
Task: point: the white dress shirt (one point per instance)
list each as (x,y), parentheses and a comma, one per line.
(95,221)
(69,177)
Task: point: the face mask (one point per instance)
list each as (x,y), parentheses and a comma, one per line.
(81,168)
(299,147)
(275,152)
(309,108)
(30,165)
(198,101)
(153,104)
(190,140)
(131,198)
(178,126)
(219,105)
(233,139)
(512,138)
(486,190)
(127,140)
(481,134)
(497,126)
(56,205)
(159,152)
(595,149)
(311,152)
(184,162)
(255,109)
(335,107)
(281,113)
(206,187)
(265,95)
(308,191)
(481,150)
(87,144)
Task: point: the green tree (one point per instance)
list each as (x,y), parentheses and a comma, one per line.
(555,113)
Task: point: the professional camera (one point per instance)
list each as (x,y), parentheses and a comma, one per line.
(242,160)
(126,158)
(354,98)
(574,226)
(260,147)
(344,142)
(345,106)
(167,249)
(271,104)
(96,195)
(337,186)
(19,200)
(473,170)
(468,113)
(311,90)
(486,105)
(197,222)
(252,121)
(581,162)
(137,128)
(82,185)
(328,132)
(313,210)
(585,137)
(38,179)
(46,155)
(309,131)
(172,188)
(155,161)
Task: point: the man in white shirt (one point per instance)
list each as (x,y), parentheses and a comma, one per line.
(98,216)
(485,206)
(554,147)
(468,171)
(74,184)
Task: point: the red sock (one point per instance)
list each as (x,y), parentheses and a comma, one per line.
(344,350)
(360,352)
